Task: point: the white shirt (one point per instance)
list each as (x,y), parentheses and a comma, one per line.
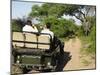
(49,32)
(28,28)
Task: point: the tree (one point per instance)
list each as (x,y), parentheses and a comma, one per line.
(35,11)
(17,24)
(81,12)
(47,9)
(62,27)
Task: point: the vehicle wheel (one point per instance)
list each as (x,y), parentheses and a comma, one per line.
(54,60)
(15,69)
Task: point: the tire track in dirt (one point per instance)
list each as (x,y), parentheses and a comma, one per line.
(73,46)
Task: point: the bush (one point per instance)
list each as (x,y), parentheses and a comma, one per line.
(61,27)
(90,40)
(15,26)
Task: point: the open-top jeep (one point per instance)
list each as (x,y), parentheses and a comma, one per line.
(34,51)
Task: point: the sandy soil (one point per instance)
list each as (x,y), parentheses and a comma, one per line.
(73,46)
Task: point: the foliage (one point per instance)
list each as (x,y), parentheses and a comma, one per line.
(17,24)
(62,27)
(81,12)
(35,11)
(47,9)
(93,39)
(90,41)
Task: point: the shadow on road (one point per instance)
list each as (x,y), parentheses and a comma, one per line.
(63,60)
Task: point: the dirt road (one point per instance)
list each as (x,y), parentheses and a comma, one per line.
(73,46)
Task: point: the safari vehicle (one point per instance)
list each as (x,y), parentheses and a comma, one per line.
(34,51)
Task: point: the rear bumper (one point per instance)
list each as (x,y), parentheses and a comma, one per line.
(36,52)
(37,67)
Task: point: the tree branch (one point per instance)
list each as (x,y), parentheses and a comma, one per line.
(82,13)
(78,18)
(87,11)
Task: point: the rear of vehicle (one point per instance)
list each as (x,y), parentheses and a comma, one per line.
(34,51)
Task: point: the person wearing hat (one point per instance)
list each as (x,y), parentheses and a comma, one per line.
(29,27)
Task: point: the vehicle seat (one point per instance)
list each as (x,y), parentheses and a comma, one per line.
(17,36)
(32,38)
(44,42)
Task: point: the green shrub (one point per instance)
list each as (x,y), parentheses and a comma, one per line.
(15,26)
(90,41)
(61,27)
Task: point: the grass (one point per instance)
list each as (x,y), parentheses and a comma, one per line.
(86,62)
(88,45)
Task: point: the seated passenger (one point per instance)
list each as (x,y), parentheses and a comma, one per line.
(55,39)
(47,30)
(29,27)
